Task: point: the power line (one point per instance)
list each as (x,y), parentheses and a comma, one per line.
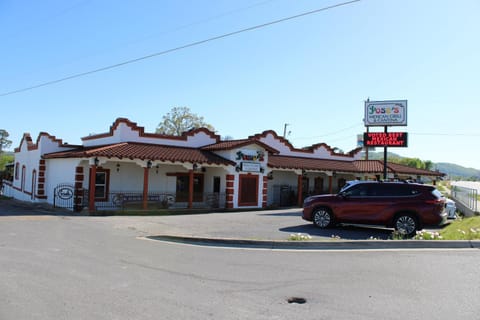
(331,133)
(445,134)
(82,74)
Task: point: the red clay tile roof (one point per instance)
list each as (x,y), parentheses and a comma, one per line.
(375,166)
(358,166)
(288,162)
(370,166)
(131,150)
(398,168)
(143,151)
(232,144)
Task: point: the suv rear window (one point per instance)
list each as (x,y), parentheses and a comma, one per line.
(437,193)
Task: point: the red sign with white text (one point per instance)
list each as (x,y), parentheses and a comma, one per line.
(385,139)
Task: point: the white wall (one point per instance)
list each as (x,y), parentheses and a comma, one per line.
(59,171)
(29,159)
(320,152)
(124,133)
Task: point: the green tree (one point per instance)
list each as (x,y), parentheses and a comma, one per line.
(5,159)
(4,142)
(429,165)
(179,120)
(415,163)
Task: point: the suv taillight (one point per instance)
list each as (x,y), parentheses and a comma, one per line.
(435,201)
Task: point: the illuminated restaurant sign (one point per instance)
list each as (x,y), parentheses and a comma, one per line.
(386,113)
(385,139)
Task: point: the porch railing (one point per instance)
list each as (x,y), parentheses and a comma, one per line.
(121,200)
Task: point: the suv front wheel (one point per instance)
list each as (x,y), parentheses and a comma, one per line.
(406,223)
(322,217)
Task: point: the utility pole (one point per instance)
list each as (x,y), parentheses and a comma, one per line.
(285,130)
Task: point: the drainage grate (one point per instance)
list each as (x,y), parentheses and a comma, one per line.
(297,300)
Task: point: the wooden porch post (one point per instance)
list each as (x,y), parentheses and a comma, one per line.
(145,188)
(330,184)
(300,190)
(190,189)
(91,188)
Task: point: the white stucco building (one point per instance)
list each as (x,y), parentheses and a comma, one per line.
(128,167)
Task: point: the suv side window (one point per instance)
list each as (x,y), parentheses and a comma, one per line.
(361,190)
(407,190)
(396,190)
(384,190)
(413,192)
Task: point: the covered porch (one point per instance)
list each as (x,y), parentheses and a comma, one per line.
(141,176)
(152,185)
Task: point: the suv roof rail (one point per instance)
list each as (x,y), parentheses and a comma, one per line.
(397,180)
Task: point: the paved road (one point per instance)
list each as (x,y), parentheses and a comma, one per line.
(65,267)
(59,266)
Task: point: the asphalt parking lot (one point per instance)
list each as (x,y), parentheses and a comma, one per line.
(251,225)
(270,229)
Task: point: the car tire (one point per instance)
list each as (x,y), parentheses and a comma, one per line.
(322,218)
(406,224)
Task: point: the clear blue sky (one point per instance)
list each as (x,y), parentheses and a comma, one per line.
(313,73)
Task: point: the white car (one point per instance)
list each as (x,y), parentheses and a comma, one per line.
(451,209)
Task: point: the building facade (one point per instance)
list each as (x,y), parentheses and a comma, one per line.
(129,168)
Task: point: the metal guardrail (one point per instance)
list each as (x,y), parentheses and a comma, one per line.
(467,196)
(6,188)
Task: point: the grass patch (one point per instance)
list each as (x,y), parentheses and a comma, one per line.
(462,229)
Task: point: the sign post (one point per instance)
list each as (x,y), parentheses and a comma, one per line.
(385,114)
(385,158)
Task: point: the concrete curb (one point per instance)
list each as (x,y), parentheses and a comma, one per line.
(321,245)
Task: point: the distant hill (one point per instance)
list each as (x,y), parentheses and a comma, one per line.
(454,171)
(457,172)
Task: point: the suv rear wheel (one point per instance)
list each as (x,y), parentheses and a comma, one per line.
(406,223)
(322,217)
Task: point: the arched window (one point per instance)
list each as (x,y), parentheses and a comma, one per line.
(24,172)
(34,184)
(17,170)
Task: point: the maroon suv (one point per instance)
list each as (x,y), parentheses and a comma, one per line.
(407,207)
